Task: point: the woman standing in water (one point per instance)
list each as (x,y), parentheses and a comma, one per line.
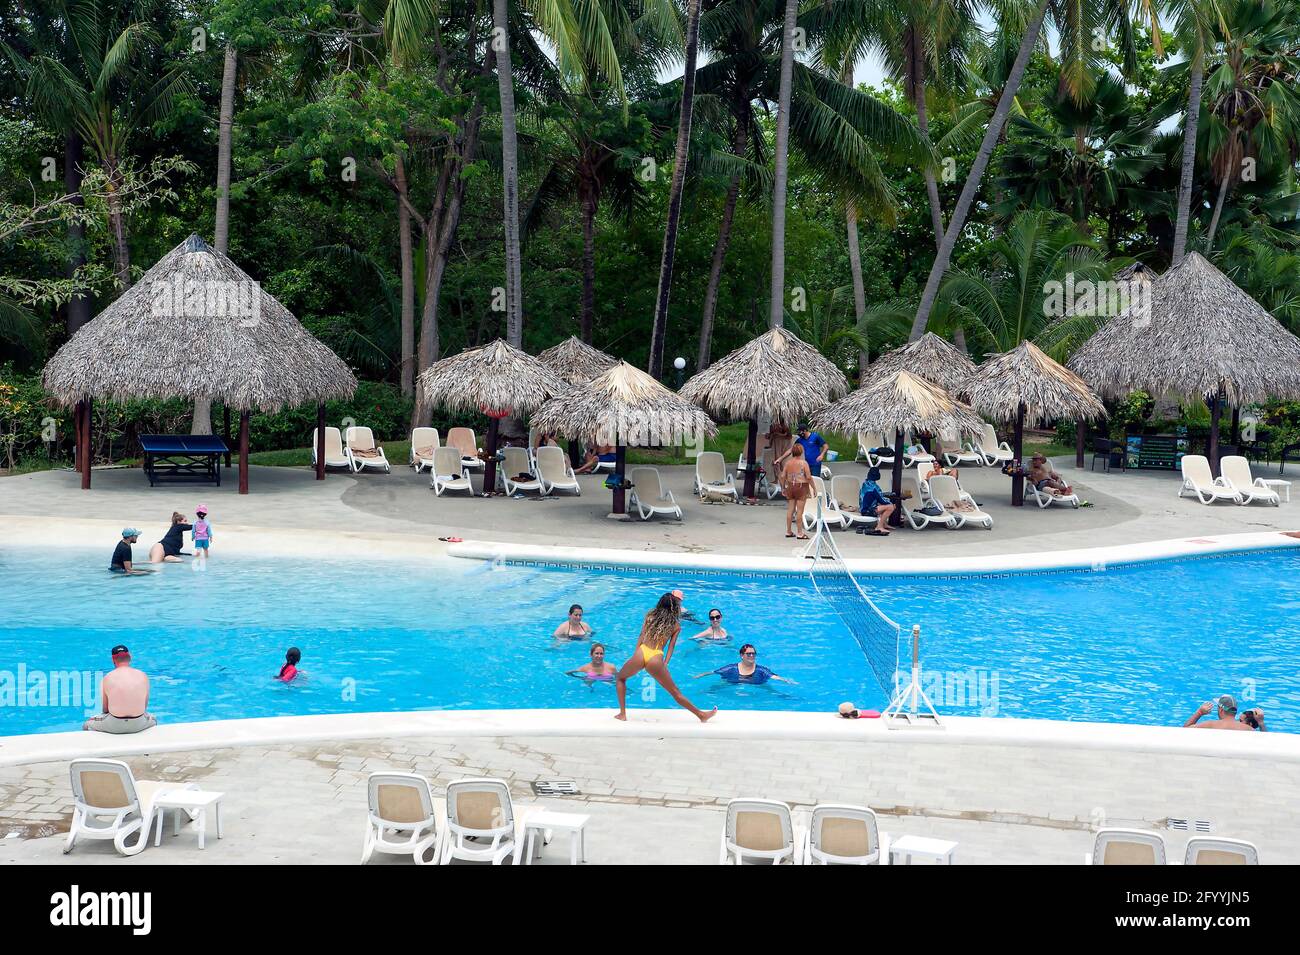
(653,651)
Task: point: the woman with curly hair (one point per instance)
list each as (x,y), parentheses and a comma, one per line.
(654,649)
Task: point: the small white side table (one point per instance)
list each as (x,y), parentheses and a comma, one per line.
(539,826)
(939,850)
(193,801)
(1282,487)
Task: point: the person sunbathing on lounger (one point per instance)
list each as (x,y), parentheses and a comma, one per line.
(596,456)
(1045,478)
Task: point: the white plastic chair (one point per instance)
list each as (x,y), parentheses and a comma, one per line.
(950,450)
(108,802)
(824,504)
(1203,850)
(1198,480)
(868,441)
(1127,847)
(844,835)
(401,820)
(990,450)
(481,810)
(448,472)
(363,439)
(1047,498)
(712,479)
(423,439)
(465,441)
(648,495)
(846,492)
(335,456)
(555,472)
(960,505)
(913,512)
(516,461)
(759,830)
(1236,475)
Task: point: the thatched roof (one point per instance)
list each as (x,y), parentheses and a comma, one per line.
(1202,331)
(1025,375)
(493,377)
(575,361)
(197,327)
(623,406)
(819,373)
(900,402)
(756,380)
(930,357)
(1137,272)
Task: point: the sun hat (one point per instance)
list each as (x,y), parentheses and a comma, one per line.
(201,509)
(129,532)
(848,710)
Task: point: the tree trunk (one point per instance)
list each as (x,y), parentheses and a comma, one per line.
(1189,156)
(221,228)
(408,276)
(959,339)
(1218,209)
(78,309)
(971,186)
(917,67)
(781,169)
(509,174)
(1018,449)
(719,255)
(859,287)
(117,225)
(588,319)
(660,328)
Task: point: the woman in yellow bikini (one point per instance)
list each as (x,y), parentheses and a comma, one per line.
(654,648)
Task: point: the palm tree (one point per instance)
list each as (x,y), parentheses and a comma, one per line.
(781,167)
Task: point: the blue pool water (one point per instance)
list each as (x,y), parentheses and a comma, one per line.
(1140,643)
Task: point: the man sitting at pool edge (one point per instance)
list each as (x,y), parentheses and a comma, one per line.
(1227,720)
(125,697)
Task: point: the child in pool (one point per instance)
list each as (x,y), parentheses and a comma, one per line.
(202,532)
(290,669)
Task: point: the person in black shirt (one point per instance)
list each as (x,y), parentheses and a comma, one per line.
(122,560)
(169,548)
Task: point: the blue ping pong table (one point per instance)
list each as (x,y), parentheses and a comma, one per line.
(183,457)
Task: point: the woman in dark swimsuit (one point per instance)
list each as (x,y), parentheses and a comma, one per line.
(169,548)
(573,628)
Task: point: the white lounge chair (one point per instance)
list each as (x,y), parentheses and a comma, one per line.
(824,504)
(1198,480)
(555,472)
(1048,498)
(846,492)
(868,441)
(844,835)
(1236,474)
(648,495)
(1203,850)
(767,483)
(363,451)
(108,802)
(514,462)
(335,456)
(482,823)
(991,451)
(913,508)
(758,830)
(448,472)
(948,449)
(1127,847)
(465,441)
(912,458)
(956,502)
(424,441)
(402,820)
(713,482)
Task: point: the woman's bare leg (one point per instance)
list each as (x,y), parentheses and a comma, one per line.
(798,518)
(789,517)
(659,670)
(630,669)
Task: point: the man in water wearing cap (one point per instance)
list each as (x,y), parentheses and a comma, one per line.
(122,559)
(1227,720)
(125,697)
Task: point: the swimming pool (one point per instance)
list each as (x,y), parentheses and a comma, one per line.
(1142,643)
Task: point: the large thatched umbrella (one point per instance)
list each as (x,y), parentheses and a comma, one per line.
(900,403)
(1201,336)
(496,379)
(930,357)
(624,407)
(197,327)
(577,363)
(768,377)
(1023,385)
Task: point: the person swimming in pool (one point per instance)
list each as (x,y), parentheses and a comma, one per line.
(654,650)
(714,632)
(597,669)
(288,672)
(573,627)
(748,670)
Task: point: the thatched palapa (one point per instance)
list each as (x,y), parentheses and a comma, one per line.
(575,361)
(897,404)
(819,373)
(930,357)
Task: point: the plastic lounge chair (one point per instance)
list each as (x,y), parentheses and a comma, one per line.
(449,472)
(335,456)
(648,495)
(846,491)
(514,462)
(1236,474)
(992,451)
(482,823)
(822,503)
(712,479)
(1199,481)
(844,835)
(945,492)
(554,471)
(465,441)
(912,459)
(424,441)
(949,450)
(402,820)
(363,452)
(108,802)
(1048,498)
(758,830)
(1127,847)
(1203,850)
(915,515)
(868,441)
